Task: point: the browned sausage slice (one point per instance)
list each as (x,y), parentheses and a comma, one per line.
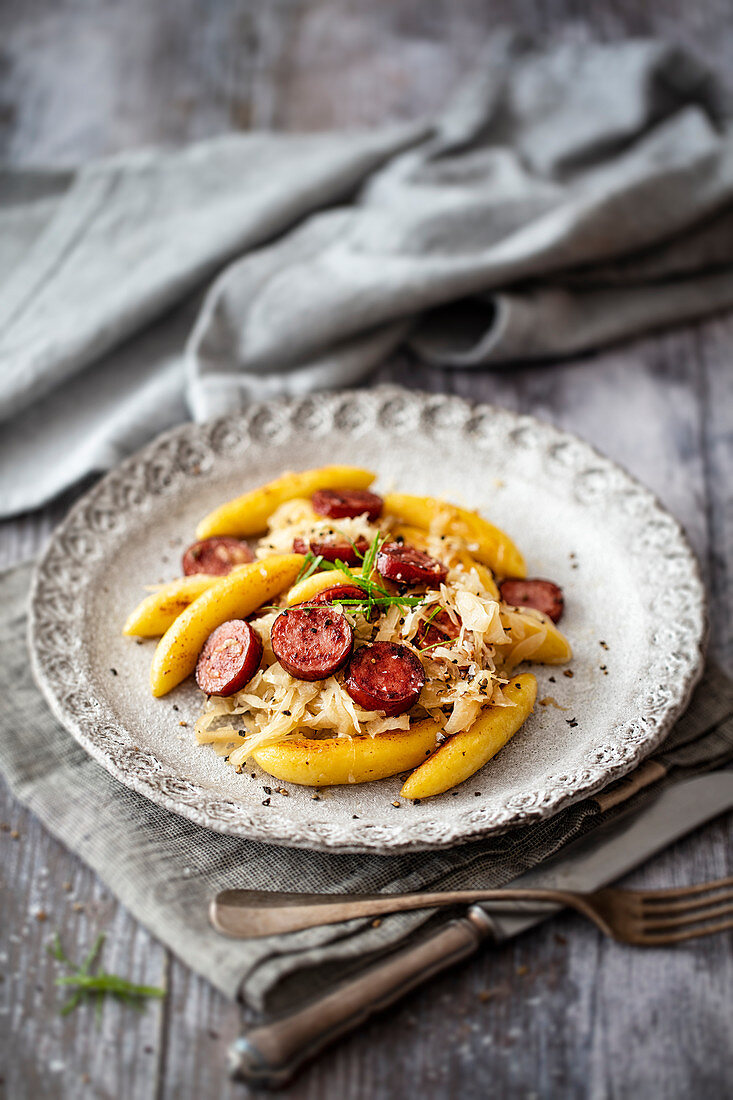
(229,659)
(544,596)
(310,642)
(216,555)
(405,565)
(347,503)
(335,548)
(347,592)
(340,592)
(385,676)
(440,628)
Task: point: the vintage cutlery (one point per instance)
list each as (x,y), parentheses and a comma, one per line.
(270,1054)
(646,918)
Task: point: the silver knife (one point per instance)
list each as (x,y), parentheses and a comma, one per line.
(270,1055)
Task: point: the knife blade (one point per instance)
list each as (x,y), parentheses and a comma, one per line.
(271,1054)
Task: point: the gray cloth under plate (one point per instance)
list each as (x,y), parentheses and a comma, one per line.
(165,869)
(565,198)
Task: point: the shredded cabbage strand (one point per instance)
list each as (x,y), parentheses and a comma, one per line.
(463,674)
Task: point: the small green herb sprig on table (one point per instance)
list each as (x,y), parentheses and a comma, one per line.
(87,984)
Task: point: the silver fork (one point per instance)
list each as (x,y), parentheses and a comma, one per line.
(644,917)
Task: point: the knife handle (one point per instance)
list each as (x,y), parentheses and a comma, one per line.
(269,1056)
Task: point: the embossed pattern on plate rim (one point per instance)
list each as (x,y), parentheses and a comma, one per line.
(55,618)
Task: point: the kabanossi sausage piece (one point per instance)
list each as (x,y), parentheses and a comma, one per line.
(229,659)
(385,676)
(348,592)
(216,556)
(347,503)
(336,548)
(405,565)
(340,592)
(312,642)
(440,628)
(544,596)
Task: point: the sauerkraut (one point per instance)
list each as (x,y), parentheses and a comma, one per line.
(463,674)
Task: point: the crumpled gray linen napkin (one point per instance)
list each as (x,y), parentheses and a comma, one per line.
(566,197)
(165,870)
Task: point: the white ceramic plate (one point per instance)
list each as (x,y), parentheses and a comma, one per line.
(635,612)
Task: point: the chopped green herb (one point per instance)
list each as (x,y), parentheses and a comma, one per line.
(443,641)
(99,984)
(383,601)
(310,565)
(375,595)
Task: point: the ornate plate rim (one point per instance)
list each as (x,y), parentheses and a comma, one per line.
(142,772)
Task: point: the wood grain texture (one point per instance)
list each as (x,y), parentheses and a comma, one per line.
(560,1012)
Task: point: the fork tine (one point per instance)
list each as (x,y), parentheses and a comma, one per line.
(683,891)
(660,939)
(685,905)
(705,913)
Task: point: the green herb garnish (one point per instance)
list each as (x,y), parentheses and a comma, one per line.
(98,984)
(311,563)
(382,601)
(430,619)
(375,595)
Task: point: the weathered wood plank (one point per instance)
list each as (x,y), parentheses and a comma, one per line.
(45,890)
(714,349)
(586,1018)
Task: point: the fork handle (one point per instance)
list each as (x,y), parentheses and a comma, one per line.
(268,1056)
(248,914)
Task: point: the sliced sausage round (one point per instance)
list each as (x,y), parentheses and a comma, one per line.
(216,555)
(340,592)
(347,503)
(404,564)
(312,642)
(440,629)
(385,676)
(544,596)
(333,548)
(347,592)
(229,659)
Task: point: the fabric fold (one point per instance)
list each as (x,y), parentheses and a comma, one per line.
(136,233)
(164,869)
(564,198)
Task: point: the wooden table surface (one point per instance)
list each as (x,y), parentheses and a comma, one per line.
(561,1012)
